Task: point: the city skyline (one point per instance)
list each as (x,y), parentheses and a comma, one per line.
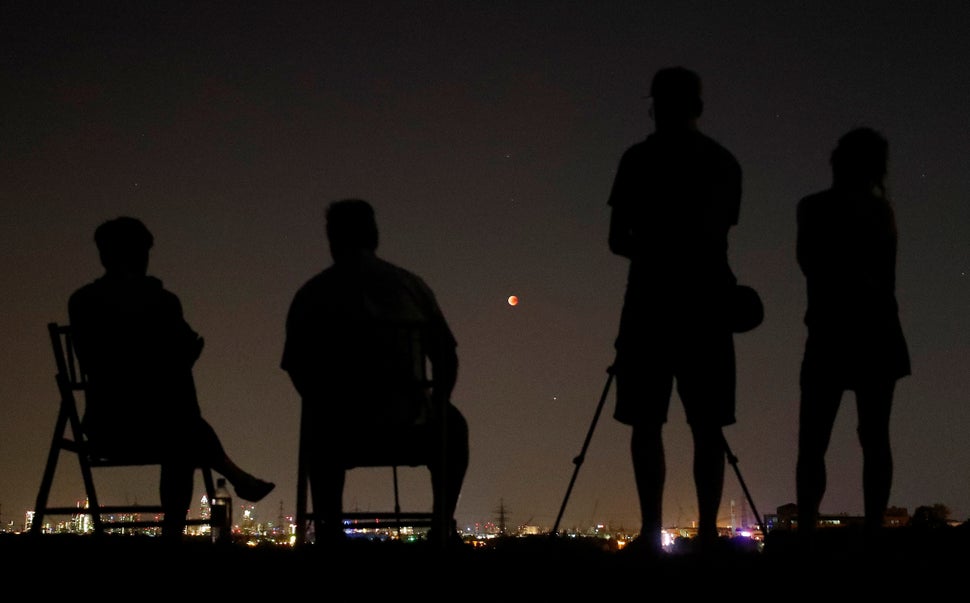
(741,516)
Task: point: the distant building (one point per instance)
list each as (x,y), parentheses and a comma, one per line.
(786,518)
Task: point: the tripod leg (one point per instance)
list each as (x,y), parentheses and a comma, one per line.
(734,463)
(578,461)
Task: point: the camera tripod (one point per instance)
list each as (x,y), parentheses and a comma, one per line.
(581,457)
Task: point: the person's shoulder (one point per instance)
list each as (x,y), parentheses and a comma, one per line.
(408,282)
(648,141)
(155,287)
(317,282)
(99,287)
(715,147)
(814,203)
(640,153)
(85,290)
(401,273)
(639,148)
(82,297)
(817,198)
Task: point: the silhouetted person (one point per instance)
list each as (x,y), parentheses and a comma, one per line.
(339,359)
(674,199)
(138,351)
(847,251)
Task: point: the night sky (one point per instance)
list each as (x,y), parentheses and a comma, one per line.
(486,135)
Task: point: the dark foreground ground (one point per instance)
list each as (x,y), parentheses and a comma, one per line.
(907,565)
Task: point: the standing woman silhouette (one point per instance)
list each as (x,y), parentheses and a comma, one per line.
(846,248)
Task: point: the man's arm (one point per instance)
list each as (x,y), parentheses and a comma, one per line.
(444,369)
(803,237)
(621,235)
(295,348)
(621,241)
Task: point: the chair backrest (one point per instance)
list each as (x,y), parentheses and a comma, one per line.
(69,436)
(393,404)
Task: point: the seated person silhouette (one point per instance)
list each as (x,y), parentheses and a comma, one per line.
(138,352)
(341,361)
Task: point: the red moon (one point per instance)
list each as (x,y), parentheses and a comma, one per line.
(513,300)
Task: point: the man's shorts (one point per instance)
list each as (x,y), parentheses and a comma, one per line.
(702,364)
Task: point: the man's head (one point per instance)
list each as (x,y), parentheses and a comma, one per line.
(123,245)
(676,96)
(351,228)
(860,159)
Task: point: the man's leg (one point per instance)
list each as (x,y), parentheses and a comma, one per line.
(816,418)
(456,465)
(175,492)
(447,479)
(874,404)
(327,491)
(706,382)
(209,451)
(650,472)
(709,459)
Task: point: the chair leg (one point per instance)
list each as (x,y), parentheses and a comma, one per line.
(43,494)
(302,516)
(83,459)
(210,487)
(397,504)
(93,503)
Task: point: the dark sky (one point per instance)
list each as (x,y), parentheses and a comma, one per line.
(486,134)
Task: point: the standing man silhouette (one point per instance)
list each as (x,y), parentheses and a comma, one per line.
(674,199)
(846,249)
